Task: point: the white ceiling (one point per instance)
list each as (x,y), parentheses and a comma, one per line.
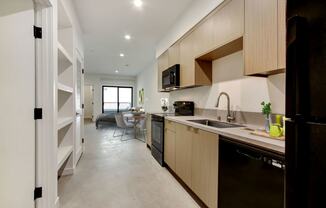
(105,22)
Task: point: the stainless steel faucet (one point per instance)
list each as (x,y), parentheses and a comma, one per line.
(229,117)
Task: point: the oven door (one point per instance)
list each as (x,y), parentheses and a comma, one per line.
(158,134)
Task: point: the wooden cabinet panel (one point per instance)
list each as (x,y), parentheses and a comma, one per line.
(174,52)
(281,34)
(228,22)
(183,148)
(169,148)
(169,125)
(203,37)
(260,39)
(187,61)
(162,64)
(204,166)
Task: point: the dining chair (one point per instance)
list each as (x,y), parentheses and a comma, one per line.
(121,124)
(141,127)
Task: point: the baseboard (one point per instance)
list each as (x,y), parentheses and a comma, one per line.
(185,186)
(79,154)
(68,171)
(56,203)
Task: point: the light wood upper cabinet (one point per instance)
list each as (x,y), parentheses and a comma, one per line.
(203,37)
(173,54)
(183,149)
(228,22)
(162,64)
(204,166)
(262,39)
(281,34)
(187,61)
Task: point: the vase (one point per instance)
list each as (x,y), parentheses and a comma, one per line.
(267,123)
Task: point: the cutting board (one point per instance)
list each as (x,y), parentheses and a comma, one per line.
(265,134)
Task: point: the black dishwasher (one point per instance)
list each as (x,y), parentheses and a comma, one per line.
(249,177)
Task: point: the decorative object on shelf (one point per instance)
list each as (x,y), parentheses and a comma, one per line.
(141,96)
(267,110)
(164,104)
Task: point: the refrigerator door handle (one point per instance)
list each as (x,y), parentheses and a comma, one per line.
(297,62)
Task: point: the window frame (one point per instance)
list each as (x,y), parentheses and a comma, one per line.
(118,87)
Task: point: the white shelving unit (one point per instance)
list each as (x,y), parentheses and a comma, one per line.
(65,94)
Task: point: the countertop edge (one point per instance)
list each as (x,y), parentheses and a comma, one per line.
(229,132)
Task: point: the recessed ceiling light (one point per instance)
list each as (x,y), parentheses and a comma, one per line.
(122,55)
(116,71)
(138,3)
(127,37)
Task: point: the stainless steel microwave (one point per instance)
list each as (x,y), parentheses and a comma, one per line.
(171,77)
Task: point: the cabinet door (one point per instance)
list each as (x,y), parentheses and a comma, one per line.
(162,64)
(203,38)
(169,148)
(260,39)
(228,22)
(281,34)
(204,166)
(183,141)
(187,61)
(174,52)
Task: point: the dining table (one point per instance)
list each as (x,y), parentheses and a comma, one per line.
(135,118)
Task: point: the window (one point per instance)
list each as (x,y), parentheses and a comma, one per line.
(116,99)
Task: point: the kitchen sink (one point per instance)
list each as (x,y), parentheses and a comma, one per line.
(216,124)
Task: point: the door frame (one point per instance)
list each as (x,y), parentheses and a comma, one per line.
(132,95)
(92,98)
(45,155)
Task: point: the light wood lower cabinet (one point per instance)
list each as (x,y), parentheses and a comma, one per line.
(183,150)
(193,155)
(204,166)
(169,148)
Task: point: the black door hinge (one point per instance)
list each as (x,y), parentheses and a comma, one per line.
(83,71)
(38,32)
(38,192)
(38,113)
(83,106)
(83,140)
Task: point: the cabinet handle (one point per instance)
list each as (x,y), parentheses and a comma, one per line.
(196,130)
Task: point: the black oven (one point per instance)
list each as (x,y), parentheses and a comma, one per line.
(171,77)
(158,137)
(182,108)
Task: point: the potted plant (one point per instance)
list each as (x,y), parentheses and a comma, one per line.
(267,110)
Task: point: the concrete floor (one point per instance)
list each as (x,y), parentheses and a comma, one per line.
(115,174)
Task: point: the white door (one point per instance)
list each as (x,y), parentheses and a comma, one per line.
(79,144)
(17,92)
(88,101)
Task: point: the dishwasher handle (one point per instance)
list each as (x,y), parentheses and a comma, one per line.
(248,155)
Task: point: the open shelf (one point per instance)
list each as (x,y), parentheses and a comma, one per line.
(63,155)
(65,88)
(62,122)
(63,55)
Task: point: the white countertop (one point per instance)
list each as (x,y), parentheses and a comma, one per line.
(238,133)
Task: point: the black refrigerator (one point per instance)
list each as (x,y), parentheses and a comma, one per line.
(306,104)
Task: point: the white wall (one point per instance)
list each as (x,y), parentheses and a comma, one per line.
(246,93)
(147,79)
(98,80)
(195,12)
